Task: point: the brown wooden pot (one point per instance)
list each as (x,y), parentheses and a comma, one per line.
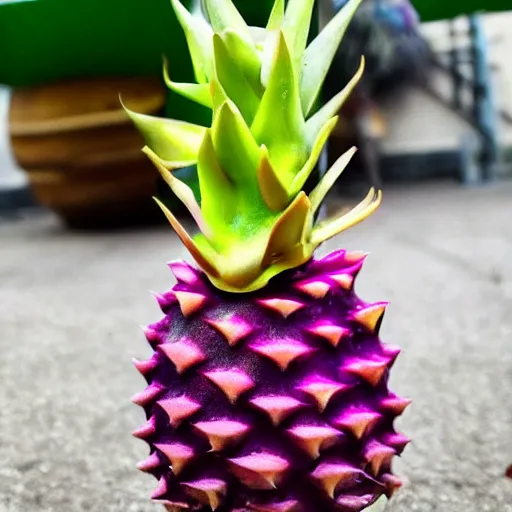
(81,152)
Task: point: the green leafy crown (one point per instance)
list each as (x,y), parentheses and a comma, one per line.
(265,139)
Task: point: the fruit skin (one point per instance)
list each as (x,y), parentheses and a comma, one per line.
(275,400)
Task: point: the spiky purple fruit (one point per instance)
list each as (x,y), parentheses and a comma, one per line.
(275,400)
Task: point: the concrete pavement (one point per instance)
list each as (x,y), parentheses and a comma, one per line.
(70,304)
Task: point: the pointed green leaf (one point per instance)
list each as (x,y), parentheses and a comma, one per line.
(173,141)
(223,15)
(320,53)
(218,196)
(275,20)
(326,183)
(191,246)
(199,93)
(321,139)
(332,107)
(183,192)
(219,96)
(288,232)
(236,149)
(296,25)
(233,81)
(246,57)
(199,39)
(272,191)
(279,124)
(330,228)
(268,52)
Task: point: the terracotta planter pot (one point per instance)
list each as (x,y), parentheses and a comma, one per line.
(81,152)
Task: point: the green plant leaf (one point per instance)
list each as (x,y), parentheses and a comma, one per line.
(183,192)
(236,149)
(218,197)
(272,191)
(246,57)
(224,15)
(276,17)
(279,124)
(218,94)
(199,39)
(326,183)
(191,246)
(288,232)
(320,53)
(176,142)
(321,139)
(332,227)
(268,51)
(233,81)
(332,107)
(296,25)
(199,93)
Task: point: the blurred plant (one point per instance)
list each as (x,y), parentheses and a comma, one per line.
(387,33)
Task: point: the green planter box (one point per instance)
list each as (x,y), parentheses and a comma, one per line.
(44,41)
(434,10)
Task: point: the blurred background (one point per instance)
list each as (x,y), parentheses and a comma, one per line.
(435,101)
(433,121)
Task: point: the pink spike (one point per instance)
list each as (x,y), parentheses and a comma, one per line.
(335,258)
(145,367)
(184,354)
(395,404)
(281,506)
(165,300)
(355,503)
(161,489)
(285,307)
(354,257)
(209,491)
(150,333)
(396,441)
(183,272)
(345,281)
(190,302)
(277,408)
(315,289)
(322,390)
(149,464)
(313,438)
(369,316)
(149,394)
(233,329)
(392,484)
(370,370)
(259,470)
(329,476)
(332,333)
(148,429)
(391,351)
(378,455)
(179,408)
(179,455)
(174,506)
(358,421)
(232,383)
(282,352)
(222,433)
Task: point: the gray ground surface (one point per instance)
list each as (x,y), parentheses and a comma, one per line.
(70,305)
